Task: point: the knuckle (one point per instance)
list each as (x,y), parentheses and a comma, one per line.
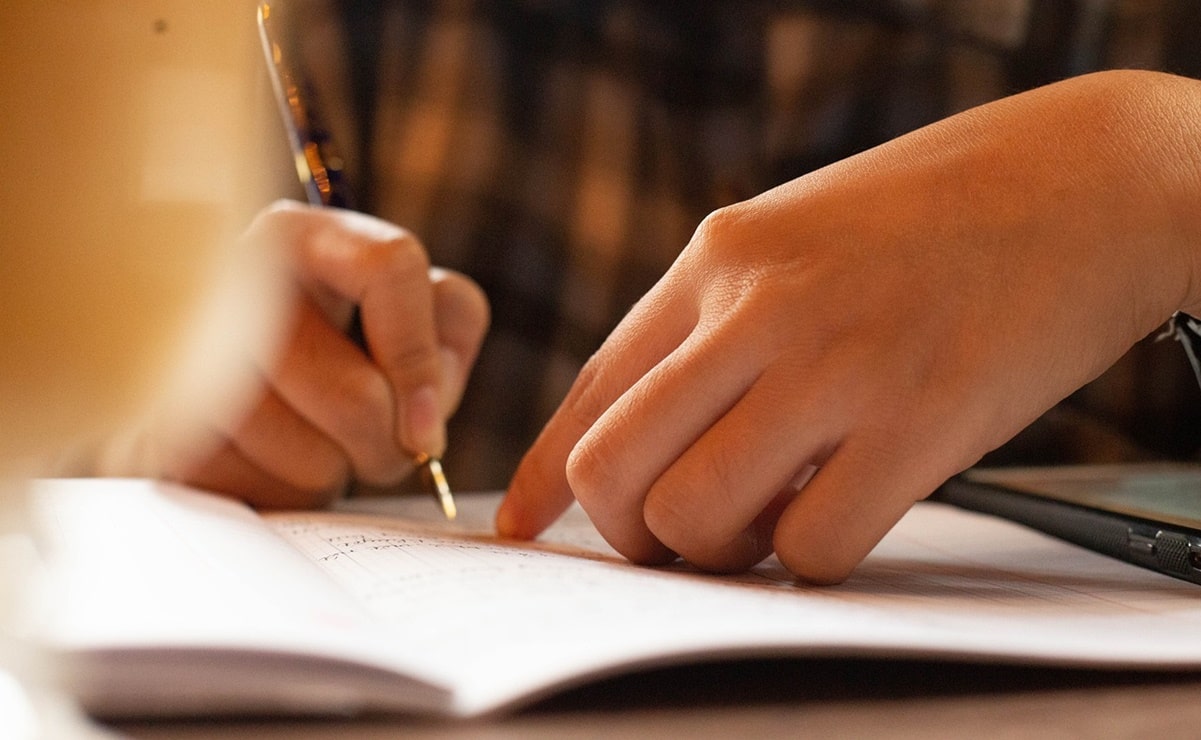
(400,256)
(272,213)
(722,466)
(280,207)
(275,224)
(419,361)
(671,520)
(716,224)
(681,528)
(676,514)
(590,466)
(689,510)
(673,515)
(721,225)
(588,398)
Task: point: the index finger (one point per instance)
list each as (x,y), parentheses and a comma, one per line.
(385,271)
(540,491)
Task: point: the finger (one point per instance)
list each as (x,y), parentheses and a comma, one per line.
(398,321)
(461,317)
(384,270)
(539,491)
(643,432)
(326,380)
(861,492)
(716,505)
(284,445)
(748,547)
(229,472)
(293,226)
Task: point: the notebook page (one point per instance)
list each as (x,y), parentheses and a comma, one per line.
(140,562)
(514,621)
(166,599)
(152,564)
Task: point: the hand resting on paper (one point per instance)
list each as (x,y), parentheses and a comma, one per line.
(886,321)
(326,413)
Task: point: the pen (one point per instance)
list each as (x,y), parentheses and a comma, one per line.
(320,171)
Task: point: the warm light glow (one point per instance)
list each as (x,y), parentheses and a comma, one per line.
(131,166)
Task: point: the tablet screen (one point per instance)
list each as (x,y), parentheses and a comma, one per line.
(1166,492)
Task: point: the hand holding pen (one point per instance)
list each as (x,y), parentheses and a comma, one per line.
(326,414)
(416,329)
(331,410)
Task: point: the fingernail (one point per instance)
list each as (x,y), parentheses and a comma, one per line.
(505,526)
(510,523)
(803,476)
(424,428)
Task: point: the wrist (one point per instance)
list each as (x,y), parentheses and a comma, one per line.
(1165,129)
(1134,143)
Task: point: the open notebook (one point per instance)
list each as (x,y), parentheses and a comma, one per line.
(171,601)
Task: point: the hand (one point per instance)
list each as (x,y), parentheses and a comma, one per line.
(884,322)
(327,413)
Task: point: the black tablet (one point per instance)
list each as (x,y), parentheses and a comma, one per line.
(1146,514)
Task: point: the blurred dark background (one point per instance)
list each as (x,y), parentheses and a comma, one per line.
(561,153)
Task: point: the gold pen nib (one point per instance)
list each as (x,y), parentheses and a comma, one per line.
(438,479)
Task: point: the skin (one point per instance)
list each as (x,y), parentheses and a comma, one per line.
(326,413)
(885,322)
